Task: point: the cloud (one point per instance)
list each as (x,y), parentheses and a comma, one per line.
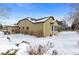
(8,22)
(28,6)
(23,4)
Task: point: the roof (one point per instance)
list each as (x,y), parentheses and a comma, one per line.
(59,22)
(33,20)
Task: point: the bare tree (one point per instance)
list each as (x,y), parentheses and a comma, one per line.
(74,13)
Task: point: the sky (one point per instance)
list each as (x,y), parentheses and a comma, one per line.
(18,11)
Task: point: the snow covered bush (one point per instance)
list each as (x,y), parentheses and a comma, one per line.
(23,46)
(54,52)
(32,51)
(41,49)
(10,52)
(24,49)
(50,44)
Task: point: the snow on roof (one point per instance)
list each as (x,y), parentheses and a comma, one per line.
(38,20)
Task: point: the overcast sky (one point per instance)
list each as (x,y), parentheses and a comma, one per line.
(35,10)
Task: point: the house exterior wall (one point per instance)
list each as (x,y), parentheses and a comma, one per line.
(37,29)
(33,29)
(13,29)
(47,29)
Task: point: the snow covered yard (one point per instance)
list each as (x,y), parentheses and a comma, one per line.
(65,43)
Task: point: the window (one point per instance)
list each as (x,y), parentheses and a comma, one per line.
(27,28)
(12,30)
(19,27)
(23,27)
(54,28)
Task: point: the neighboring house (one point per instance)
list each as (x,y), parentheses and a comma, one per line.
(63,25)
(10,29)
(5,29)
(46,26)
(13,29)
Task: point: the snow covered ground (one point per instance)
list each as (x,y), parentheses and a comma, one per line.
(66,43)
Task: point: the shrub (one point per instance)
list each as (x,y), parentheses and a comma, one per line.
(10,52)
(41,49)
(50,45)
(54,52)
(59,29)
(32,51)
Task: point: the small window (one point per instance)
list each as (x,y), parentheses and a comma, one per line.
(52,28)
(12,30)
(23,27)
(27,28)
(19,27)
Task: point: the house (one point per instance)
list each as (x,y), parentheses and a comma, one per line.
(63,26)
(40,27)
(10,29)
(13,29)
(46,26)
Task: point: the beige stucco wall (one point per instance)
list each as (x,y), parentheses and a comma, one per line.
(10,28)
(35,29)
(39,29)
(47,29)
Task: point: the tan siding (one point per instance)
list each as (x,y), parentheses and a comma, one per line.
(48,28)
(36,29)
(11,28)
